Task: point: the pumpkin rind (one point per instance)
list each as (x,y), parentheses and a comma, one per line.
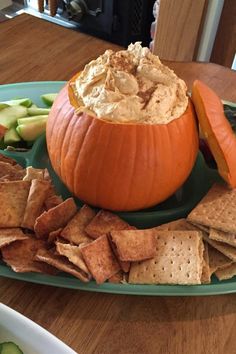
(116,166)
(216,130)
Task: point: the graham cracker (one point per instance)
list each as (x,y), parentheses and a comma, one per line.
(206,273)
(217,260)
(180,225)
(13,198)
(222,236)
(178,260)
(227,250)
(227,272)
(217,209)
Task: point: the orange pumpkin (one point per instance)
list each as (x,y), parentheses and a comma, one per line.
(216,130)
(117,166)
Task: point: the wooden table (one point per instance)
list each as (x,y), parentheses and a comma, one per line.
(31,50)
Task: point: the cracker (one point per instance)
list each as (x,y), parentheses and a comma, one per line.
(227,250)
(55,218)
(180,224)
(9,172)
(178,260)
(10,235)
(52,201)
(20,256)
(13,198)
(7,159)
(217,260)
(134,245)
(34,173)
(222,236)
(61,263)
(206,272)
(227,272)
(74,255)
(125,265)
(117,278)
(217,209)
(105,222)
(53,235)
(75,230)
(37,195)
(100,259)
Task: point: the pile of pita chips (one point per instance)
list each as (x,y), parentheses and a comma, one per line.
(41,232)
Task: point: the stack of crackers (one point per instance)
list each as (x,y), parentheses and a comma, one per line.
(41,232)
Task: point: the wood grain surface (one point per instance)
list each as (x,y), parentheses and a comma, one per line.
(93,323)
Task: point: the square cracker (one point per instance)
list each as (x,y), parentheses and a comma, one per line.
(178,260)
(222,236)
(217,260)
(180,224)
(206,272)
(100,259)
(227,250)
(55,218)
(10,235)
(105,222)
(20,256)
(217,209)
(13,198)
(75,229)
(74,255)
(61,263)
(34,206)
(134,245)
(227,272)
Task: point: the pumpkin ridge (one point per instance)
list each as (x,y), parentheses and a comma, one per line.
(65,143)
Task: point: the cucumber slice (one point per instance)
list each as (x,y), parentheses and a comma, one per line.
(11,137)
(49,98)
(26,102)
(33,111)
(9,115)
(30,132)
(10,348)
(29,120)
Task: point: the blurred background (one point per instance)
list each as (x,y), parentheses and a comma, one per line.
(180,30)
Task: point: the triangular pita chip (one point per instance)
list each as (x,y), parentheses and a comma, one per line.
(10,235)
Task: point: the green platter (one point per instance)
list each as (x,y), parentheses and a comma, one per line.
(179,205)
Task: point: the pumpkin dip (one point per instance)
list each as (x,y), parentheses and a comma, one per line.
(131,86)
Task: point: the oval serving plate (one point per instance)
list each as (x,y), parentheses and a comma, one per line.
(177,206)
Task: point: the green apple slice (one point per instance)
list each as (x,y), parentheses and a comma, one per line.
(30,132)
(49,98)
(30,120)
(9,115)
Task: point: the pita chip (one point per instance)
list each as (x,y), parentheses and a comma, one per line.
(52,201)
(34,206)
(105,222)
(75,229)
(55,218)
(74,255)
(100,259)
(20,256)
(61,263)
(10,235)
(34,173)
(134,245)
(9,172)
(13,199)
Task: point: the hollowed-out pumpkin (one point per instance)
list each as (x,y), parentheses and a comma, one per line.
(216,130)
(119,166)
